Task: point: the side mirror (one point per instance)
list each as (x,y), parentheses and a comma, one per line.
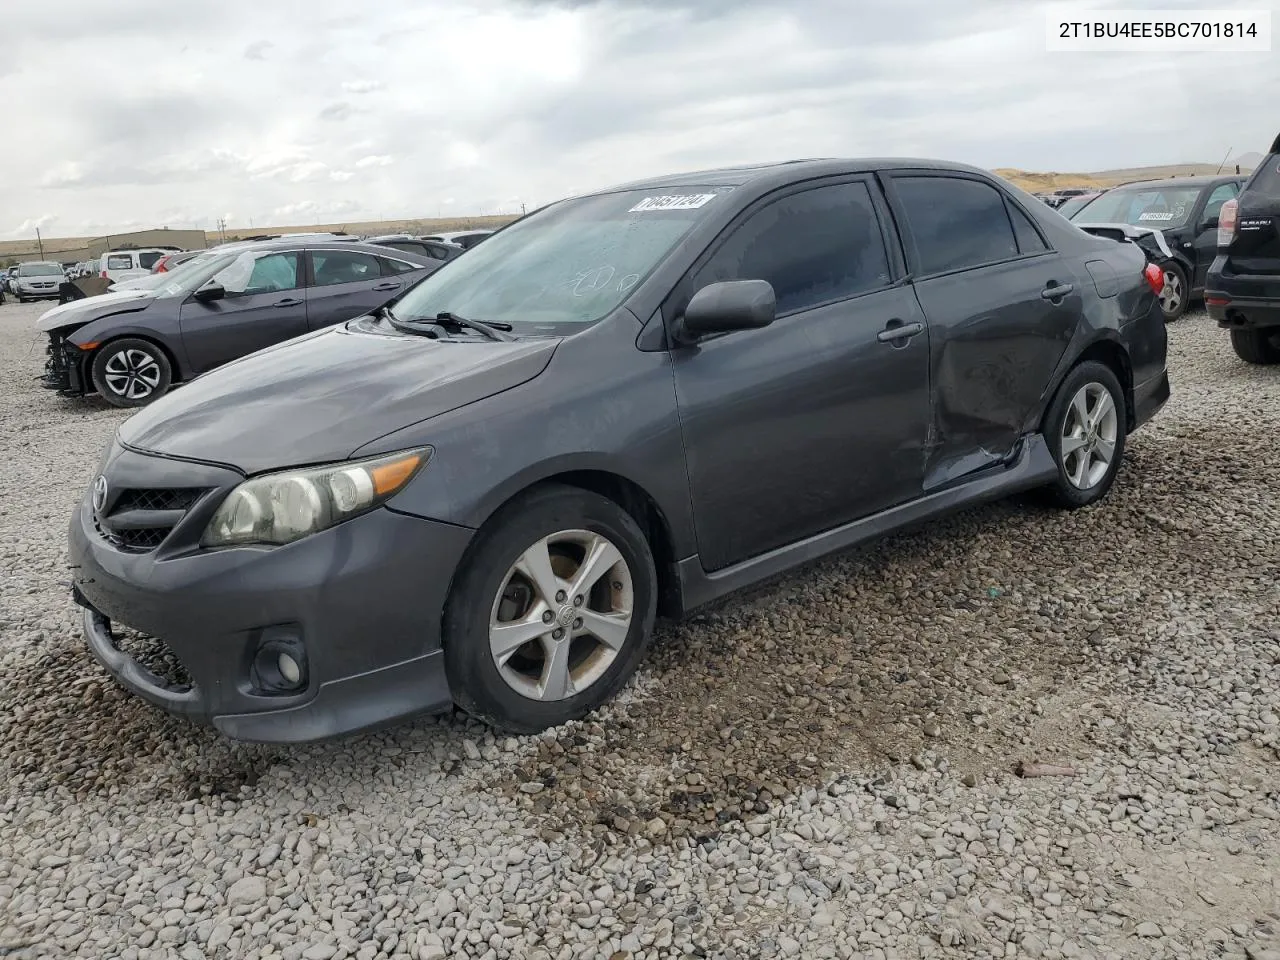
(210,292)
(1210,224)
(727,306)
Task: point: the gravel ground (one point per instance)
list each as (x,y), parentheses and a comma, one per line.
(819,768)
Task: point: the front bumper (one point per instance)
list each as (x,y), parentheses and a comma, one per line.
(65,368)
(40,293)
(365,599)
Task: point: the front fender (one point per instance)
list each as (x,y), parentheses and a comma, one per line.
(106,329)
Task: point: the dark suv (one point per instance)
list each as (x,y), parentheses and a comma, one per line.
(630,402)
(1181,215)
(1243,289)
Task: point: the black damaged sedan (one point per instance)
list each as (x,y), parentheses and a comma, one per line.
(623,405)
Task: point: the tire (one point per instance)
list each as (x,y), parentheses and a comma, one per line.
(1176,295)
(1075,485)
(1257,346)
(131,372)
(525,694)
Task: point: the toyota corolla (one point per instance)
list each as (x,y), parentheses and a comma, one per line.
(623,405)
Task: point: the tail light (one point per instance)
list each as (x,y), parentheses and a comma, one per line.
(1228,220)
(1155,278)
(103,274)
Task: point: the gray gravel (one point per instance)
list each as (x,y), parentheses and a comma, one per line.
(820,768)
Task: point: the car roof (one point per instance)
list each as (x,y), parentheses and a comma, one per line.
(1197,181)
(313,242)
(789,171)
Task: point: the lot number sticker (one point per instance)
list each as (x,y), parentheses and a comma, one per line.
(1156,215)
(685,202)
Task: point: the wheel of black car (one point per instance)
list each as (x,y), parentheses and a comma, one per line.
(1085,432)
(1174,295)
(131,372)
(552,611)
(1257,346)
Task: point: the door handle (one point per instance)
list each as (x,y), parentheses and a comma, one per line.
(896,330)
(287,302)
(389,285)
(1056,291)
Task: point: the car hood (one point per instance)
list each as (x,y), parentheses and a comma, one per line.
(79,312)
(320,397)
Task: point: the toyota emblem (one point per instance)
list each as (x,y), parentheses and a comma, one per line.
(99,494)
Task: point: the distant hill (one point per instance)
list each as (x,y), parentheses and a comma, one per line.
(1047,182)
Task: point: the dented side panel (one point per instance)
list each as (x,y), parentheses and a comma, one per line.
(995,343)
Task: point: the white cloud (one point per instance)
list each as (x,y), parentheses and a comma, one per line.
(363,86)
(539,99)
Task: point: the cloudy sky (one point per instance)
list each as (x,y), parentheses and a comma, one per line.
(122,114)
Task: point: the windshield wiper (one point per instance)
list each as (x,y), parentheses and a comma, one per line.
(493,329)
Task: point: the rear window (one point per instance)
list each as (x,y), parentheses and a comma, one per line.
(1266,179)
(120,261)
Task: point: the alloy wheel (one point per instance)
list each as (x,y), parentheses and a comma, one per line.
(133,374)
(1089,435)
(562,615)
(1171,293)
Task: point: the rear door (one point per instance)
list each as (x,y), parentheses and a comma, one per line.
(264,304)
(1256,248)
(1001,305)
(1206,230)
(343,284)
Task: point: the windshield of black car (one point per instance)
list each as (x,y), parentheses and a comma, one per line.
(1158,207)
(39,270)
(565,266)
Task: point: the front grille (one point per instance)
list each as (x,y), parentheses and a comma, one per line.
(179,498)
(143,540)
(140,518)
(152,654)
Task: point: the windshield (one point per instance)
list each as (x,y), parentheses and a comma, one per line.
(40,270)
(565,266)
(1074,204)
(1162,208)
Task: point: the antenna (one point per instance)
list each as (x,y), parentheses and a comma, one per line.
(1224,161)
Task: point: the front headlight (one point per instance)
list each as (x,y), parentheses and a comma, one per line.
(282,507)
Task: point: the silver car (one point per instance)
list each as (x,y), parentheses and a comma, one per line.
(38,280)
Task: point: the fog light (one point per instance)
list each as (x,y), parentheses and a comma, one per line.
(279,663)
(289,669)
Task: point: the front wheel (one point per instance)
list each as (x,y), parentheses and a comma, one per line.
(551,612)
(131,372)
(1257,346)
(1085,432)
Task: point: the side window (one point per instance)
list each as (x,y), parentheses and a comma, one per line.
(343,266)
(148,260)
(1221,194)
(814,247)
(391,267)
(1029,241)
(956,223)
(262,273)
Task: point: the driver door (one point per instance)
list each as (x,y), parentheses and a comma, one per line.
(264,304)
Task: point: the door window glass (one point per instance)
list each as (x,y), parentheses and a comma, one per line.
(252,273)
(1029,239)
(814,247)
(343,266)
(956,223)
(1221,194)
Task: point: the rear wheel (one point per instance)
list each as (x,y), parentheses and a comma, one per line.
(552,611)
(1257,346)
(131,372)
(1174,295)
(1085,432)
